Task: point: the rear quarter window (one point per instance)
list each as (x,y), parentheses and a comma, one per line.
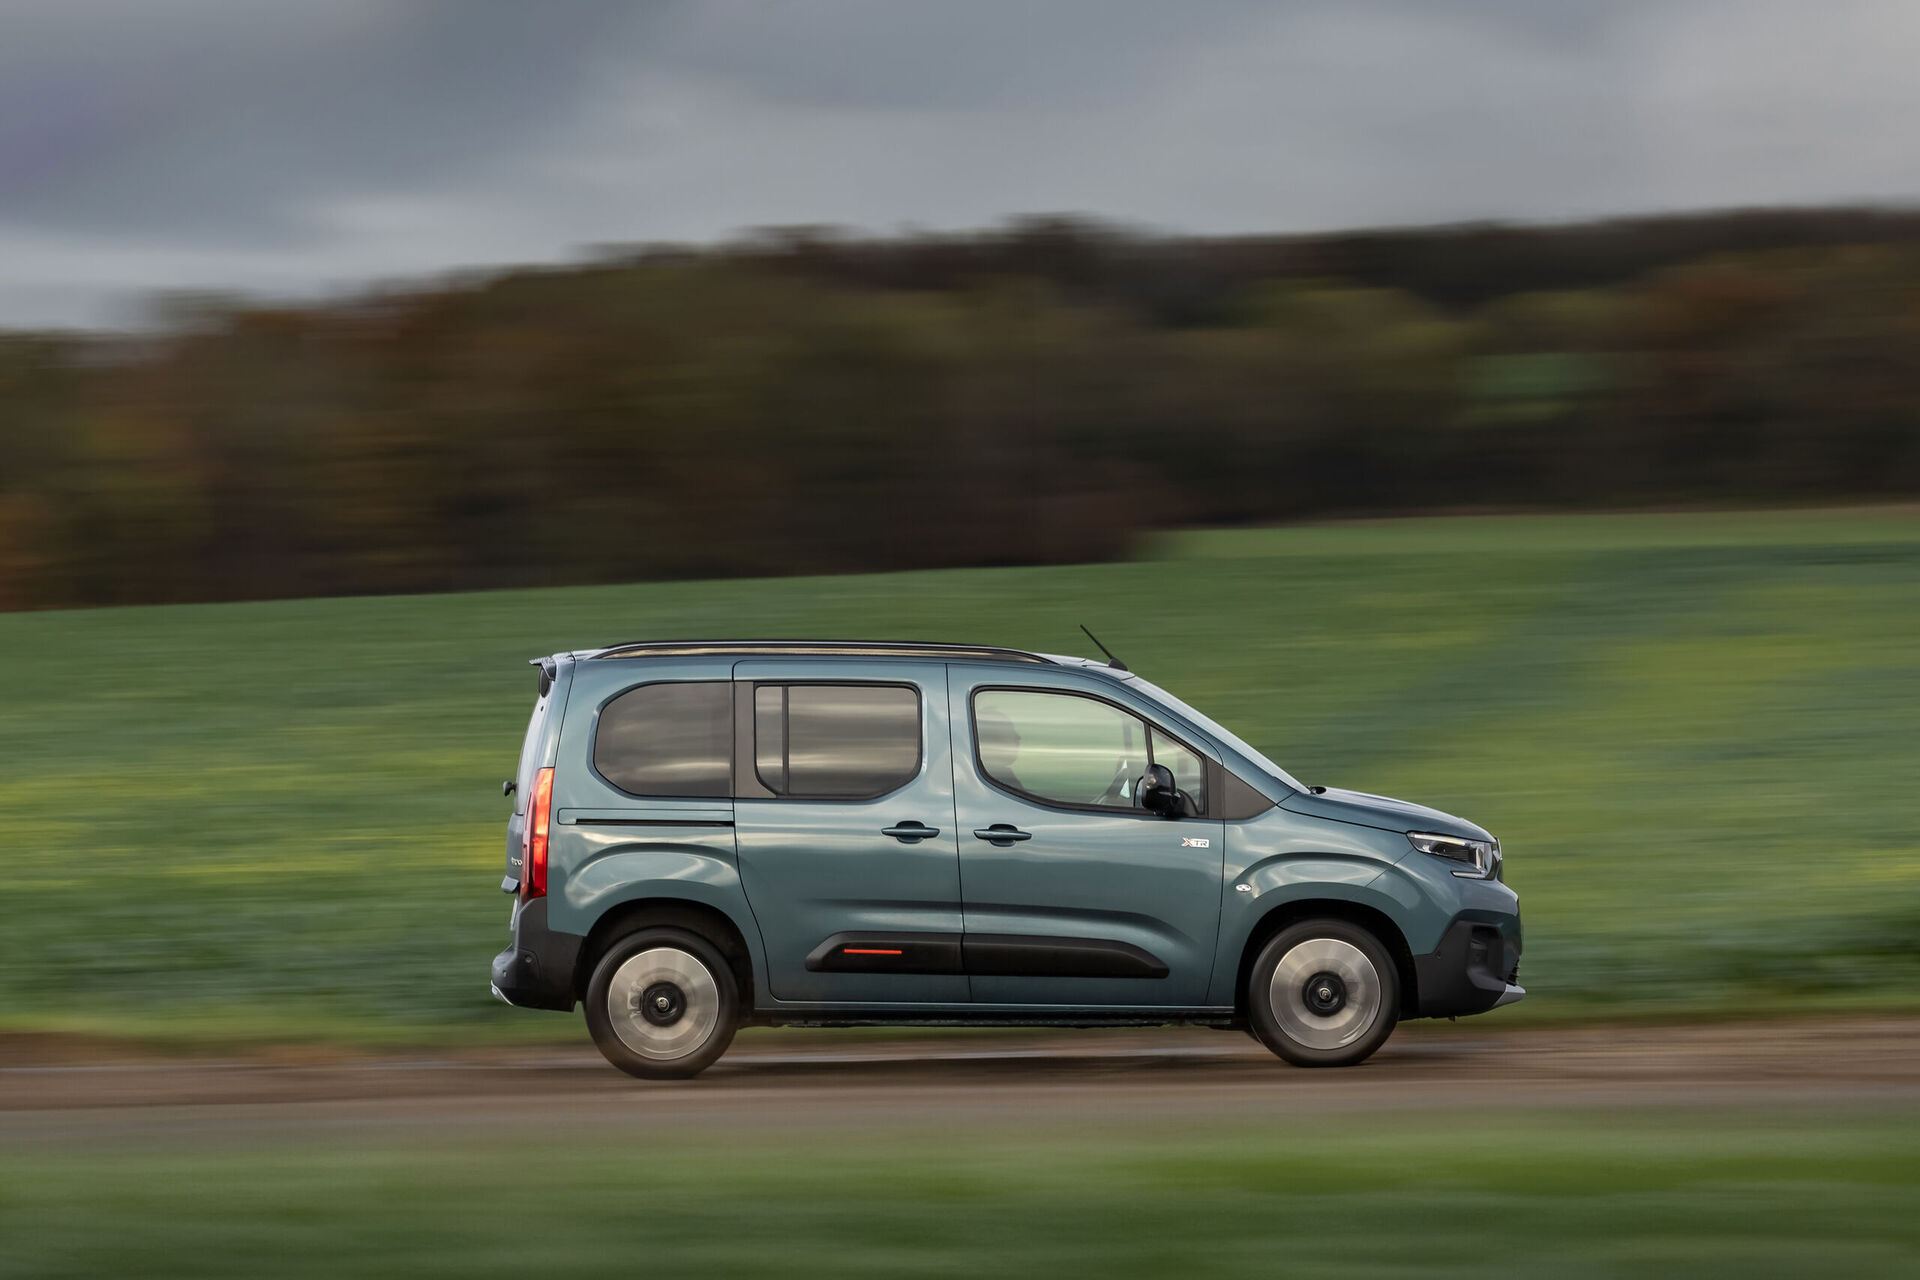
(669,739)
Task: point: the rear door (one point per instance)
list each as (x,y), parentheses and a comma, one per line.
(1074,895)
(844,823)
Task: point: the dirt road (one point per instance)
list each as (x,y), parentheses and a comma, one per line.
(801,1080)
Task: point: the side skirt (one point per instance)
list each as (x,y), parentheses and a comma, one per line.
(1000,955)
(997,1018)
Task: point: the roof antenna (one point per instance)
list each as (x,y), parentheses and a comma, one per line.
(1112,661)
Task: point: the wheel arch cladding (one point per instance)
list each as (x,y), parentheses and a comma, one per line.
(1372,919)
(700,918)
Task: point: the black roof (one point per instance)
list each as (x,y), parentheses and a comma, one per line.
(814,648)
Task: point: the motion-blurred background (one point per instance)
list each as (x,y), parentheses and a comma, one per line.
(1512,406)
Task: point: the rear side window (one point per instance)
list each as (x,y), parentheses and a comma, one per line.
(668,740)
(836,741)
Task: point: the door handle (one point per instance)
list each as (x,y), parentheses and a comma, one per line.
(1003,834)
(910,832)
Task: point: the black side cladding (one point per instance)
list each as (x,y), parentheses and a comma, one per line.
(1024,956)
(984,955)
(887,953)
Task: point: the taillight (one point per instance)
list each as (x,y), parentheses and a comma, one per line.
(533,840)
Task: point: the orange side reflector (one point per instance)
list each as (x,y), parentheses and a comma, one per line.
(867,951)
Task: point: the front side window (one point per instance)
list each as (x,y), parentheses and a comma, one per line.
(1062,748)
(835,741)
(671,739)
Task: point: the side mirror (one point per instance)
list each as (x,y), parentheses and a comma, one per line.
(1157,791)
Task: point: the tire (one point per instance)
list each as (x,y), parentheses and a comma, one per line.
(1323,993)
(662,1004)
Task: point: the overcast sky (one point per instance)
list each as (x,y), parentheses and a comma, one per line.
(297,146)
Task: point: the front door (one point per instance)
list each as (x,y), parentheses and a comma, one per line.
(1075,895)
(843,817)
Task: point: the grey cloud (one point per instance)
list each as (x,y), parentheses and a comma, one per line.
(913,55)
(1000,54)
(307,144)
(198,119)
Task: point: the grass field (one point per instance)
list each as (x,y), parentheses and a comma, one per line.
(1747,1193)
(1697,735)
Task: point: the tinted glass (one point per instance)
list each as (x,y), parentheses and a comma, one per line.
(668,740)
(530,753)
(1189,772)
(1060,747)
(770,736)
(836,740)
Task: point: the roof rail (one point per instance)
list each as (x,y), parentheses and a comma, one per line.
(813,648)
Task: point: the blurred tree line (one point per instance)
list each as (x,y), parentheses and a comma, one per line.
(805,402)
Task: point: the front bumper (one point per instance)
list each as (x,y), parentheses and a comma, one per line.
(1475,968)
(537,970)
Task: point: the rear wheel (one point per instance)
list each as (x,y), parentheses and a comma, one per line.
(1323,993)
(662,1004)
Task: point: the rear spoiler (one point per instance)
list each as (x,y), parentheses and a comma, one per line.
(548,669)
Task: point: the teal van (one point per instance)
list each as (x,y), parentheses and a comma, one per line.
(715,834)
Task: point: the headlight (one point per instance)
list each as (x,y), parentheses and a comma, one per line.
(1480,859)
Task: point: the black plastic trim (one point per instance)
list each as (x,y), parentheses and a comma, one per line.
(1468,972)
(911,953)
(815,649)
(1240,800)
(853,1015)
(995,955)
(536,972)
(1008,955)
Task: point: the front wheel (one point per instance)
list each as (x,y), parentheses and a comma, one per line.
(662,1004)
(1323,993)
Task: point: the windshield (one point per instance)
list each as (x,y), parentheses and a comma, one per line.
(1224,736)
